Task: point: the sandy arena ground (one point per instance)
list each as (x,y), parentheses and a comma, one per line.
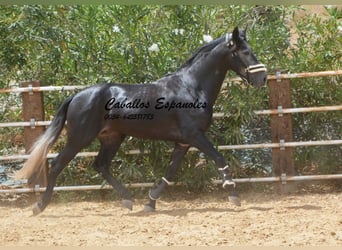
(190,220)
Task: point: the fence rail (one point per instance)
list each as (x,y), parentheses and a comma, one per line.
(280,145)
(277,76)
(278,111)
(281,179)
(42,89)
(32,124)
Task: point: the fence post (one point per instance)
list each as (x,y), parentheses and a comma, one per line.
(281,130)
(33,110)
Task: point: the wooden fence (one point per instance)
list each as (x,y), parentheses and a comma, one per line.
(281,128)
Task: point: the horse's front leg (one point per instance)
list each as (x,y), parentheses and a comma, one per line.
(176,158)
(201,142)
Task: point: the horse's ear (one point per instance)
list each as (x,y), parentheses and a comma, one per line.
(236,35)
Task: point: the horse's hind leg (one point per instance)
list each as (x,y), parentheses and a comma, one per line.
(109,147)
(57,165)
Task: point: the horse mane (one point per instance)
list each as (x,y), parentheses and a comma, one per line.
(202,50)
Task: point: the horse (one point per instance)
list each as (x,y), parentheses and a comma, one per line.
(177,107)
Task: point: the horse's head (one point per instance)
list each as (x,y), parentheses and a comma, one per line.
(243,61)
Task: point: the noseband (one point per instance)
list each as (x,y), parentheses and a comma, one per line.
(251,69)
(255,68)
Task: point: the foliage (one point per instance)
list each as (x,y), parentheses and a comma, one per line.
(74,45)
(318,48)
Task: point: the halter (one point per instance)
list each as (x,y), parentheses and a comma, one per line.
(228,37)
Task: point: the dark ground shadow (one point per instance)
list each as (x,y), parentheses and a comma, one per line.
(184,211)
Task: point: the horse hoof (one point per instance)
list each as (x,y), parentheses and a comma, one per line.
(127,204)
(149,209)
(235,200)
(36,209)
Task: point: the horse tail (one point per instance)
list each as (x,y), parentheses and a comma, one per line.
(35,168)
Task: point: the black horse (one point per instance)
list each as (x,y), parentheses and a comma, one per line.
(177,107)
